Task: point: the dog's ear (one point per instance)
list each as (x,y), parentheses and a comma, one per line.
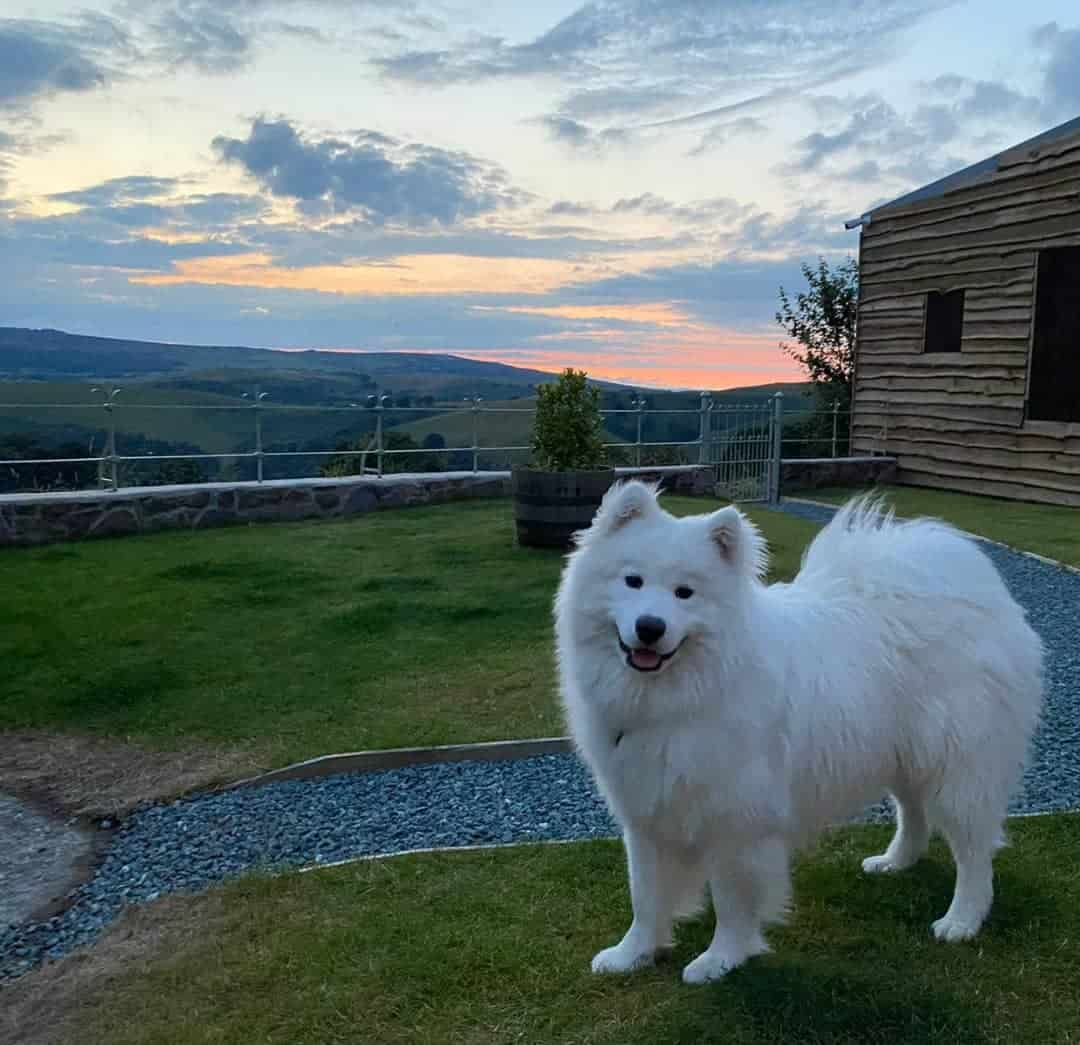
(624,501)
(739,540)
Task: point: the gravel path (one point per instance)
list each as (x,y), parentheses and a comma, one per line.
(189,844)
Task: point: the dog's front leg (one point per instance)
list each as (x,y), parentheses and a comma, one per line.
(651,893)
(749,888)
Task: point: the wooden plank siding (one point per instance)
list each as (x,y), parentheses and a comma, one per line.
(956,420)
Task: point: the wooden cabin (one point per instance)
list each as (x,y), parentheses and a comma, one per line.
(967,351)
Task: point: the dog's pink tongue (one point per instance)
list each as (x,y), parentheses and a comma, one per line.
(645,658)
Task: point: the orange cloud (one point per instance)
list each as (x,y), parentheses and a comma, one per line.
(654,313)
(406,274)
(412,274)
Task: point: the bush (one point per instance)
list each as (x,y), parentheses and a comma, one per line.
(392,462)
(568,427)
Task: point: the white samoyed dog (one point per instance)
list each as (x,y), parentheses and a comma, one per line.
(727,722)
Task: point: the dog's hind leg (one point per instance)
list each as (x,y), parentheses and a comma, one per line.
(912,837)
(748,889)
(973,844)
(657,885)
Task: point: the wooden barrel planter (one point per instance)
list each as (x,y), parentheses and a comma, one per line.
(549,507)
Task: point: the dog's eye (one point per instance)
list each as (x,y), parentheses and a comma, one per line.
(634,581)
(683,592)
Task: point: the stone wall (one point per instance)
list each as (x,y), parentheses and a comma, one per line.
(27,519)
(813,472)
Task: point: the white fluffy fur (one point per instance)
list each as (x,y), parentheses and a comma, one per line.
(896,661)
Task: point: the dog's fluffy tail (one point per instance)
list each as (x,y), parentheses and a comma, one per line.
(865,548)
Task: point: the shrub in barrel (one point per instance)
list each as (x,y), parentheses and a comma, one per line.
(559,492)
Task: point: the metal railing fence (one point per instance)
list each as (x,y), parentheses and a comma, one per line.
(744,442)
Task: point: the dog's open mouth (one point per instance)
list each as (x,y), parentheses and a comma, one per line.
(644,659)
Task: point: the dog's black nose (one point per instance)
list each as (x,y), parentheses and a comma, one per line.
(650,629)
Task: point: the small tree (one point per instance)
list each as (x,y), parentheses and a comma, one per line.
(568,427)
(821,322)
(355,464)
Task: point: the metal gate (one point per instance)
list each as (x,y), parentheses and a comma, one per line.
(744,448)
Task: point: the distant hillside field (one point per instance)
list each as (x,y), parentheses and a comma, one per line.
(494,428)
(219,425)
(189,399)
(55,354)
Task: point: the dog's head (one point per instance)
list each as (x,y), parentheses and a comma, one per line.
(655,583)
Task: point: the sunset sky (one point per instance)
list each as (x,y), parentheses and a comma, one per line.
(620,185)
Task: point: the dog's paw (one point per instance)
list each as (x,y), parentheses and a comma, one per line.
(712,966)
(953,930)
(717,962)
(883,864)
(622,959)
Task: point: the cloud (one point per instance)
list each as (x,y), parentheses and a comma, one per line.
(813,228)
(623,59)
(146,38)
(721,209)
(1061,78)
(868,171)
(386,180)
(75,242)
(119,190)
(39,59)
(992,100)
(564,129)
(10,147)
(18,143)
(733,291)
(877,125)
(141,201)
(202,36)
(622,100)
(219,37)
(865,138)
(579,135)
(219,209)
(568,208)
(725,132)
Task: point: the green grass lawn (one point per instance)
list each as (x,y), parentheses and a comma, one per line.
(425,626)
(493,947)
(1046,529)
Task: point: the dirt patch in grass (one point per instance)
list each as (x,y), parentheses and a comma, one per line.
(47,1006)
(92,778)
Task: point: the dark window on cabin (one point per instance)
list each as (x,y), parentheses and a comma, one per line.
(944,321)
(1054,385)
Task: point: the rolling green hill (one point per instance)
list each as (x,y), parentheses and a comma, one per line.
(54,354)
